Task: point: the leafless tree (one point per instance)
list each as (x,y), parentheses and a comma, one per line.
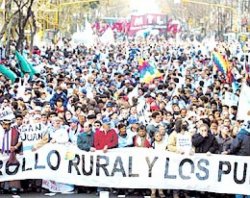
(24,13)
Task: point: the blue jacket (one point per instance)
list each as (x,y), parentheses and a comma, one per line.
(241,144)
(56,96)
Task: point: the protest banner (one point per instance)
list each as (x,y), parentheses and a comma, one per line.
(133,168)
(153,21)
(244,103)
(230,99)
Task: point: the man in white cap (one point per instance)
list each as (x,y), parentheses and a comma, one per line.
(74,130)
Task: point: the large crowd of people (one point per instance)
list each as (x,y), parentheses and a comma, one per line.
(93,97)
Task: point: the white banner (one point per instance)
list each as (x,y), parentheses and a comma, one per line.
(230,99)
(244,103)
(132,168)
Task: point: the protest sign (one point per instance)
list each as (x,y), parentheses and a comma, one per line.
(30,134)
(183,143)
(133,168)
(6,114)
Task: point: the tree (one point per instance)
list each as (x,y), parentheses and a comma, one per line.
(24,13)
(17,14)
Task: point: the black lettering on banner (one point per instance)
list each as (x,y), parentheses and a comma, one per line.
(130,168)
(91,165)
(24,168)
(36,163)
(58,159)
(1,166)
(103,165)
(203,169)
(74,163)
(150,165)
(221,170)
(24,165)
(240,181)
(185,177)
(118,167)
(9,172)
(166,175)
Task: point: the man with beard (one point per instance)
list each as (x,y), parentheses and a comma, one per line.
(8,147)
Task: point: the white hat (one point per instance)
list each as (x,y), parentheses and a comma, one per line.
(37,108)
(37,116)
(127,81)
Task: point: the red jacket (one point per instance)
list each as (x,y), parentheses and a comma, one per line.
(101,139)
(145,143)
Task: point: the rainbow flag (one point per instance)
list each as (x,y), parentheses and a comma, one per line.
(220,62)
(148,72)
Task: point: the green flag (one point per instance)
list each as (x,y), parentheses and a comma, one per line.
(8,73)
(24,65)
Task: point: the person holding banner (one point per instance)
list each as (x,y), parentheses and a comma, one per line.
(224,139)
(124,139)
(58,134)
(204,141)
(74,130)
(49,134)
(160,145)
(142,139)
(180,142)
(85,140)
(105,138)
(30,133)
(8,147)
(241,146)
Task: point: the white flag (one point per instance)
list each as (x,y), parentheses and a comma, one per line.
(132,94)
(244,103)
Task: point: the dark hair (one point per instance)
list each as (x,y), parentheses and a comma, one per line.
(19,116)
(142,127)
(121,125)
(178,125)
(156,113)
(52,113)
(98,122)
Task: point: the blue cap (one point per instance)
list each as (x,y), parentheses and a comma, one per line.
(109,104)
(84,91)
(133,120)
(74,120)
(106,120)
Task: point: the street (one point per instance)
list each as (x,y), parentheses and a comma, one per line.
(92,195)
